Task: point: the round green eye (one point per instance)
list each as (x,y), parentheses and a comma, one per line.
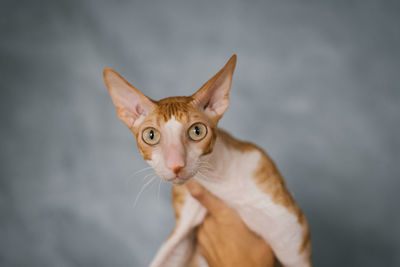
(151,136)
(197,131)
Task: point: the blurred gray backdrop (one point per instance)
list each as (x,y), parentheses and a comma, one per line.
(317,86)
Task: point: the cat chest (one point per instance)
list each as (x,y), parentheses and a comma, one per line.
(238,188)
(275,223)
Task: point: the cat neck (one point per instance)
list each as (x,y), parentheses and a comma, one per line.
(219,163)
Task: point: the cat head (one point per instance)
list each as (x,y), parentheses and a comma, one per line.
(174,133)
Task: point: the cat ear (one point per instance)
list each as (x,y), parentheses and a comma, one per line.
(129,101)
(213,96)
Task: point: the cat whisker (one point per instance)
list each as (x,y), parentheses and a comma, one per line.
(210,173)
(141,170)
(148,175)
(149,168)
(142,189)
(205,163)
(208,170)
(205,177)
(159,187)
(206,167)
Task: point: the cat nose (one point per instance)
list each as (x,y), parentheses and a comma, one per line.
(175,159)
(176,169)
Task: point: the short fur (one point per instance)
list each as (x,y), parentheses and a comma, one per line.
(239,173)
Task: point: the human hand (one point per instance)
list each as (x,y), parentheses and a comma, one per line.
(223,238)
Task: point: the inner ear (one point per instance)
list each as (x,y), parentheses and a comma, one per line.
(213,96)
(130,103)
(206,105)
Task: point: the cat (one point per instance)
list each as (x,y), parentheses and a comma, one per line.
(179,138)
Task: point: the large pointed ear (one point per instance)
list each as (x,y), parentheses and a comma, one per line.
(213,96)
(131,104)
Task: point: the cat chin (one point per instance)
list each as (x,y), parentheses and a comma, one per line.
(179,181)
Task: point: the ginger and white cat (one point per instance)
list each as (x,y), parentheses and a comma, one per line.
(179,138)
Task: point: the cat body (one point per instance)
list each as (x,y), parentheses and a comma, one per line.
(179,138)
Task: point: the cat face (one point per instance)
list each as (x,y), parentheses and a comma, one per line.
(173,134)
(174,137)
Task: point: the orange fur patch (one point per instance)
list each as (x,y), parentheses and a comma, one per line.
(178,199)
(179,107)
(271,182)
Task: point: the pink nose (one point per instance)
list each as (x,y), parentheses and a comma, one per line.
(176,169)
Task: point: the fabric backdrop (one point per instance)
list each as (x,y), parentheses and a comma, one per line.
(316,85)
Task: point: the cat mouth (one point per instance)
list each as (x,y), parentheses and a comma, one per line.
(178,180)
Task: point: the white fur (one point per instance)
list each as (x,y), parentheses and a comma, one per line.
(173,135)
(178,249)
(232,181)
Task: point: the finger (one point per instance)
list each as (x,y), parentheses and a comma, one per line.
(209,225)
(213,204)
(206,242)
(201,235)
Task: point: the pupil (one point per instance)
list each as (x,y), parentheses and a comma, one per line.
(151,135)
(197,130)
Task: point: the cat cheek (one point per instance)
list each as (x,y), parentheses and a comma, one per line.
(145,151)
(206,147)
(146,156)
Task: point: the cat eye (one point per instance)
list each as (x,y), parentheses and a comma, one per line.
(197,131)
(151,136)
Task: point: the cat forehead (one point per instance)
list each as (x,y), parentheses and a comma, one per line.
(173,126)
(178,108)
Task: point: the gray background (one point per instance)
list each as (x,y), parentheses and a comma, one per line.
(317,86)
